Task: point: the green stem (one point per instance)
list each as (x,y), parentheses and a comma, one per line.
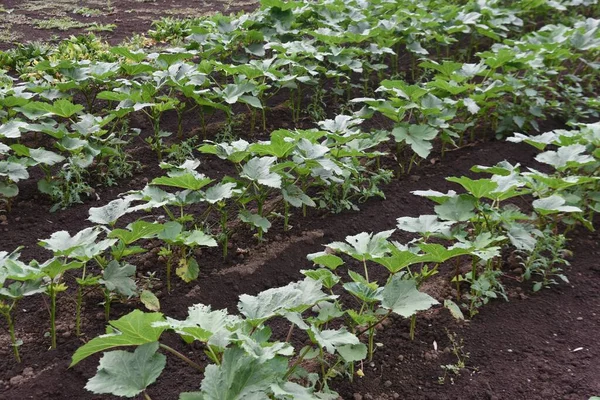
(11,331)
(413,326)
(182,357)
(371,338)
(106,305)
(214,357)
(291,370)
(169,274)
(286,215)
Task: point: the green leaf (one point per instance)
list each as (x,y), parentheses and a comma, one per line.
(296,296)
(552,205)
(402,297)
(566,156)
(458,208)
(258,169)
(125,52)
(184,181)
(424,224)
(18,290)
(353,352)
(454,309)
(255,220)
(435,252)
(325,259)
(367,292)
(188,269)
(171,231)
(63,244)
(220,192)
(477,187)
(398,259)
(296,197)
(45,157)
(240,376)
(262,350)
(204,325)
(12,129)
(13,171)
(292,390)
(121,373)
(62,107)
(149,300)
(278,146)
(365,245)
(137,230)
(325,276)
(118,278)
(110,213)
(198,238)
(331,339)
(133,329)
(8,189)
(521,237)
(56,266)
(418,137)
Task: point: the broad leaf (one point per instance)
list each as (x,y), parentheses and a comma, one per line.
(402,297)
(418,137)
(121,373)
(240,376)
(365,245)
(258,169)
(296,296)
(133,329)
(137,230)
(458,208)
(183,181)
(552,205)
(110,213)
(426,224)
(331,339)
(118,278)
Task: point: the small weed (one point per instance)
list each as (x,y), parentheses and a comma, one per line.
(95,27)
(62,24)
(88,12)
(457,348)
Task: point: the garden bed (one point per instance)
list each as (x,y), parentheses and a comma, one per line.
(520,349)
(538,344)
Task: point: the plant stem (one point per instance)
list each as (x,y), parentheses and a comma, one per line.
(181,357)
(296,363)
(106,305)
(214,357)
(374,324)
(289,335)
(13,337)
(286,216)
(413,325)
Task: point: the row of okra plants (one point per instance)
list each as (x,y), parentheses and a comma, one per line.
(79,104)
(336,308)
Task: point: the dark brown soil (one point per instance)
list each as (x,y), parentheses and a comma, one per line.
(522,349)
(536,346)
